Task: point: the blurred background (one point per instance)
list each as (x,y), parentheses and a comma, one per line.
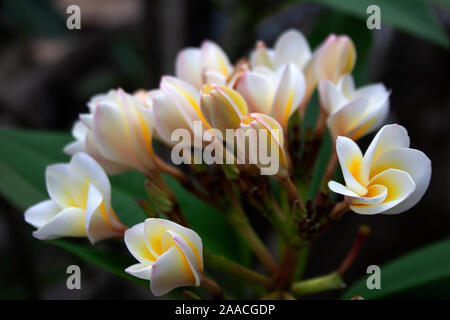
(48,73)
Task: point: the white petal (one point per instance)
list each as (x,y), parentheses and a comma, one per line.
(56,177)
(140,270)
(215,77)
(342,121)
(109,166)
(170,271)
(372,91)
(347,85)
(262,56)
(188,66)
(185,96)
(375,194)
(171,238)
(331,99)
(168,118)
(87,119)
(154,229)
(341,189)
(79,130)
(67,223)
(374,118)
(135,241)
(98,224)
(399,186)
(350,157)
(140,123)
(412,161)
(292,47)
(42,212)
(389,137)
(84,170)
(289,93)
(258,91)
(74,147)
(214,58)
(112,135)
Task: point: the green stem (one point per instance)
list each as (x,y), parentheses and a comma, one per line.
(240,221)
(223,264)
(331,281)
(302,262)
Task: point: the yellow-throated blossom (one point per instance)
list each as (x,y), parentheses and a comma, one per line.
(224,108)
(169,255)
(390,178)
(353,113)
(176,105)
(79,205)
(207,64)
(277,94)
(117,132)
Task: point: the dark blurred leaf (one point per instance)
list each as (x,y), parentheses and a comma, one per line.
(24,157)
(412,16)
(424,273)
(36,17)
(109,261)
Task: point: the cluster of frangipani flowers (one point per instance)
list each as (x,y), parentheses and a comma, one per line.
(261,93)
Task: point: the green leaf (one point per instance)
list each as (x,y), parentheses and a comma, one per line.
(424,273)
(412,16)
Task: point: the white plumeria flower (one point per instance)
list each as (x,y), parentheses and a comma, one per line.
(290,47)
(117,132)
(353,113)
(390,178)
(277,94)
(169,255)
(79,205)
(207,64)
(176,105)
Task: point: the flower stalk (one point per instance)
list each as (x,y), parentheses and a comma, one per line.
(331,281)
(223,264)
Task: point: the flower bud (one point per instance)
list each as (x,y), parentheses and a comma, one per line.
(266,150)
(176,106)
(79,205)
(334,58)
(207,64)
(222,107)
(169,255)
